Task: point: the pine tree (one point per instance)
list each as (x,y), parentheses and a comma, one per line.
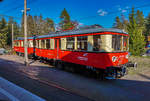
(147,26)
(49,25)
(30,25)
(9,30)
(3,33)
(140,20)
(17,30)
(9,36)
(121,23)
(35,22)
(136,34)
(3,39)
(41,25)
(118,24)
(22,24)
(3,25)
(124,22)
(65,23)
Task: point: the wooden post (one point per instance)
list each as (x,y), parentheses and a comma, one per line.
(12,32)
(25,34)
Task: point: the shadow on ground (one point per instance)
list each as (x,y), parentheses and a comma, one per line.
(59,85)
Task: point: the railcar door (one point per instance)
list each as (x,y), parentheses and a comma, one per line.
(57,48)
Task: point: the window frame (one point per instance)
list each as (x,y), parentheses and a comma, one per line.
(70,41)
(52,44)
(48,43)
(82,41)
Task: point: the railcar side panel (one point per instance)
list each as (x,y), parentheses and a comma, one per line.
(98,60)
(46,53)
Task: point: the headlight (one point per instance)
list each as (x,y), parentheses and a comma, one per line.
(114,58)
(127,56)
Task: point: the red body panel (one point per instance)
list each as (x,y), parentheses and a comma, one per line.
(21,49)
(45,53)
(98,60)
(17,49)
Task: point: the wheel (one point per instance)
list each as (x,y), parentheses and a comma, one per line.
(59,65)
(69,68)
(100,75)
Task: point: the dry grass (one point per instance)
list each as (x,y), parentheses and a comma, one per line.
(143,64)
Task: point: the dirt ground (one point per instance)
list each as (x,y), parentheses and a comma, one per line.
(133,87)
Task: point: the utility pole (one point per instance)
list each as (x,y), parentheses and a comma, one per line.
(12,32)
(25,34)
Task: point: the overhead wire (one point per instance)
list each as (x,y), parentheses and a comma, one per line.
(19,6)
(8,5)
(83,18)
(109,13)
(14,9)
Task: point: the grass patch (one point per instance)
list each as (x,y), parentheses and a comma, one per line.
(143,64)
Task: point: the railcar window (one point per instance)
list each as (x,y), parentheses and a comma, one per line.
(121,41)
(55,43)
(116,42)
(36,43)
(82,43)
(106,43)
(51,43)
(90,43)
(18,43)
(97,42)
(42,44)
(70,43)
(47,43)
(14,43)
(30,43)
(63,43)
(125,43)
(21,43)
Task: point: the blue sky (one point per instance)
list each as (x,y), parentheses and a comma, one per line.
(87,12)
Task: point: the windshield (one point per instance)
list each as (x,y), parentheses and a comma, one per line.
(119,43)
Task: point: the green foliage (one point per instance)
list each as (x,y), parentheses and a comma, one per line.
(135,30)
(118,24)
(3,33)
(65,22)
(147,26)
(121,23)
(3,39)
(6,32)
(30,25)
(36,25)
(50,25)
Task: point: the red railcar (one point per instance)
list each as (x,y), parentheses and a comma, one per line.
(102,50)
(19,45)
